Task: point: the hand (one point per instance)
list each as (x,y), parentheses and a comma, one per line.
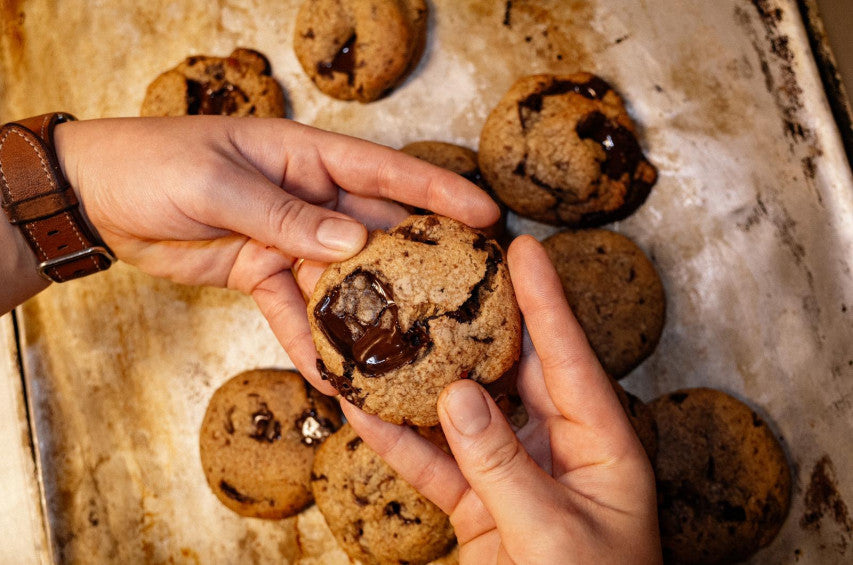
(574,486)
(234,202)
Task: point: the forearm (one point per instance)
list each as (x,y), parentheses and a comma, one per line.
(19,278)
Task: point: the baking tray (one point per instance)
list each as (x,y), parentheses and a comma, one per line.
(750,225)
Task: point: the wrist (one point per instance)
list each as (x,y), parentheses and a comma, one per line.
(39,203)
(66,145)
(19,277)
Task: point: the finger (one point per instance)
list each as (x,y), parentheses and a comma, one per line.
(576,383)
(374,213)
(282,305)
(419,462)
(493,461)
(246,202)
(360,167)
(531,383)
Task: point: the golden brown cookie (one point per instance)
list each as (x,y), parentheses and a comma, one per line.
(563,150)
(237,85)
(723,480)
(374,514)
(422,305)
(359,49)
(614,292)
(258,439)
(461,161)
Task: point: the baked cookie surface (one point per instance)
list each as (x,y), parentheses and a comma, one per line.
(421,306)
(359,49)
(614,292)
(258,439)
(376,517)
(563,150)
(722,477)
(237,85)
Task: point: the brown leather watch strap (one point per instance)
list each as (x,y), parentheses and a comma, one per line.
(38,199)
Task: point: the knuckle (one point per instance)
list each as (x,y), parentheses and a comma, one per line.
(500,460)
(284,215)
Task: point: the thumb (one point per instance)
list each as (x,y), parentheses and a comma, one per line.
(512,487)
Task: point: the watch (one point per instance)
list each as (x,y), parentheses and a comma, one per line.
(38,200)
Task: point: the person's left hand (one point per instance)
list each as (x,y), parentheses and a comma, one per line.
(235,202)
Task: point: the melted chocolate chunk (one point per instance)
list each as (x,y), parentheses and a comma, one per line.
(267,428)
(410,234)
(204,99)
(342,383)
(313,428)
(471,307)
(343,62)
(594,89)
(353,444)
(394,508)
(622,151)
(235,494)
(375,346)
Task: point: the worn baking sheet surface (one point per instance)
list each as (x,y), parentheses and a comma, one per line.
(750,225)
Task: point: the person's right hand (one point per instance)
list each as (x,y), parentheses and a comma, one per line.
(235,202)
(574,486)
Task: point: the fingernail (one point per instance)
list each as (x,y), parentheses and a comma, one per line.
(341,235)
(467,410)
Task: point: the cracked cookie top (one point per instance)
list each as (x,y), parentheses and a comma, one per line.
(423,305)
(374,514)
(258,438)
(723,481)
(238,85)
(563,150)
(359,49)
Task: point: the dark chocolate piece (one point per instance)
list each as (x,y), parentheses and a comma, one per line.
(343,62)
(202,99)
(314,428)
(267,428)
(376,346)
(235,494)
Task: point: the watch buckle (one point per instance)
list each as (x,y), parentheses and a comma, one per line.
(95,250)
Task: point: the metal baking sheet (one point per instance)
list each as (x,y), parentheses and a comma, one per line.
(750,225)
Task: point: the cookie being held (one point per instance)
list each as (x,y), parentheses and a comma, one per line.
(563,150)
(614,292)
(359,49)
(258,439)
(238,85)
(723,481)
(422,305)
(375,515)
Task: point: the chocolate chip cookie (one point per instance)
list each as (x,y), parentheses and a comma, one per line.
(422,305)
(563,150)
(376,517)
(615,294)
(359,49)
(723,480)
(461,161)
(258,439)
(238,85)
(641,417)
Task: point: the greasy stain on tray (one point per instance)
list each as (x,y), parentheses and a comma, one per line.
(822,500)
(776,60)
